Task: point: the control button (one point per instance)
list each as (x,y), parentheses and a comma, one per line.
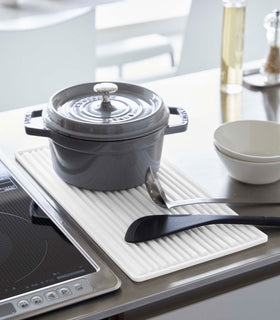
(65,291)
(51,295)
(36,300)
(23,304)
(7,309)
(78,287)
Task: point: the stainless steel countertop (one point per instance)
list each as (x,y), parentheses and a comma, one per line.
(193,153)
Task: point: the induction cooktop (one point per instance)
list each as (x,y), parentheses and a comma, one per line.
(40,269)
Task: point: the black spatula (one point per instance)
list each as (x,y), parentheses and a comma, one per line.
(155,226)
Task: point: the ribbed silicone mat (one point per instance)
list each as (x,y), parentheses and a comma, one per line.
(105,216)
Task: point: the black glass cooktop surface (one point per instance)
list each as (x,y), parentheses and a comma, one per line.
(35,255)
(33,252)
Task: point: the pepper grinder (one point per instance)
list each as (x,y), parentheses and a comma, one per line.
(271,68)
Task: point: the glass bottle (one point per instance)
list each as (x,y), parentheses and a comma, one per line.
(271,68)
(231,107)
(232,45)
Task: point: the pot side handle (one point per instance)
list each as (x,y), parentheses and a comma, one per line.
(33,131)
(178,127)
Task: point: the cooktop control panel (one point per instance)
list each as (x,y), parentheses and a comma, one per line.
(46,297)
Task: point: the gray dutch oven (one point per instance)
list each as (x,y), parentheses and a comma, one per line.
(105,139)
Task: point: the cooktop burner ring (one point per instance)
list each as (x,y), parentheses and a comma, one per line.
(5,246)
(20,240)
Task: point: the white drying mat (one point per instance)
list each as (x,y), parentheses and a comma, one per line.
(105,216)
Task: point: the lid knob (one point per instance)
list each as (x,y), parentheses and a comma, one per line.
(105,88)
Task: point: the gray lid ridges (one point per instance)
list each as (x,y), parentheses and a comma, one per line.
(133,111)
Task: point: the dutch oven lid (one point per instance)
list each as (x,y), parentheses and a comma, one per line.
(105,111)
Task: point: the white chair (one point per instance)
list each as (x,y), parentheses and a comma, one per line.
(44,52)
(133,49)
(133,31)
(201,47)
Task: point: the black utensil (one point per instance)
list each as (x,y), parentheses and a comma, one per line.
(155,226)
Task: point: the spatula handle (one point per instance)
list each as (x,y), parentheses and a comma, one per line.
(254,220)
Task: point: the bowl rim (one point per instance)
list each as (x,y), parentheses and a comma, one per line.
(235,168)
(244,156)
(245,161)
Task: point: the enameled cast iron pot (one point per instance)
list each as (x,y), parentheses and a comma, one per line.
(103,142)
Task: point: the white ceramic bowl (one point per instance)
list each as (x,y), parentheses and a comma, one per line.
(251,172)
(249,140)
